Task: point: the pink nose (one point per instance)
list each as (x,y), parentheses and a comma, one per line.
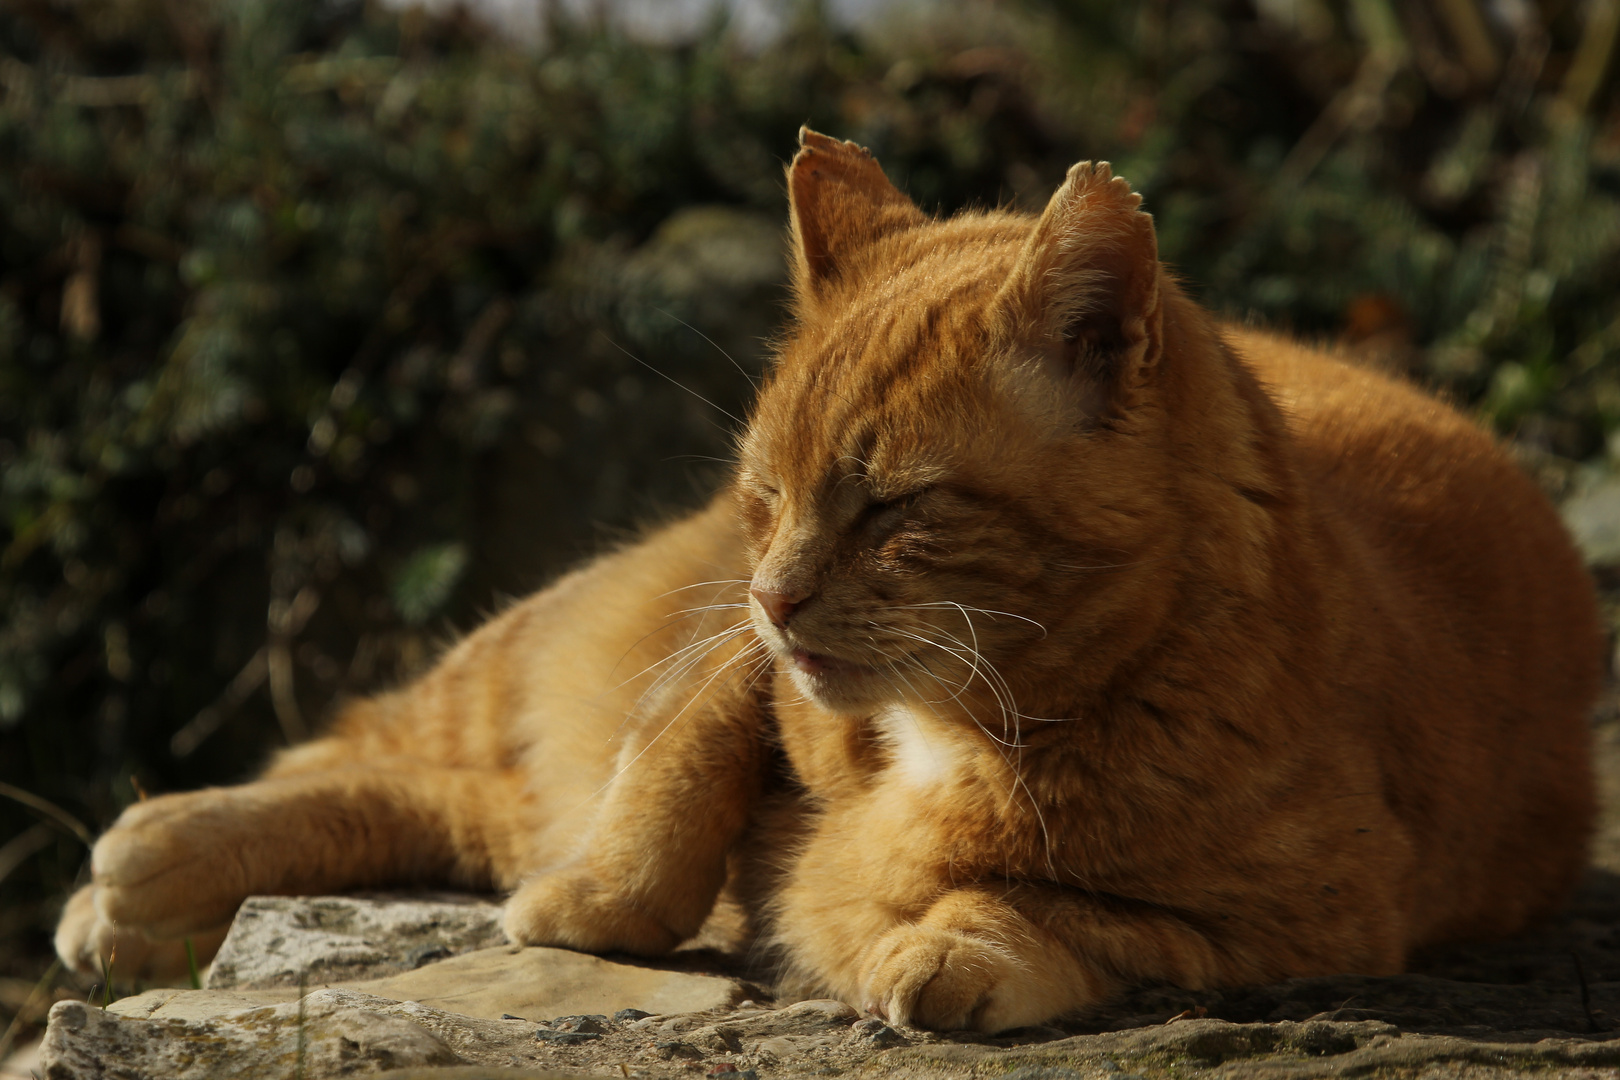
(779,607)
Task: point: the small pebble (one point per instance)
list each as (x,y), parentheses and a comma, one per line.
(592,1024)
(674,1048)
(875,1032)
(565,1038)
(629,1016)
(426,954)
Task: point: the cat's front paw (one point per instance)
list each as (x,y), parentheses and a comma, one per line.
(950,981)
(574,909)
(176,864)
(89,943)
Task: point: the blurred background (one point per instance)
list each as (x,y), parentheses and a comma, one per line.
(326,327)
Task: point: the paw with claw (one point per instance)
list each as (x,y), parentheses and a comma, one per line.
(952,981)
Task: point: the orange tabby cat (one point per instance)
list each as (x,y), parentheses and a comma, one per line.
(1050,638)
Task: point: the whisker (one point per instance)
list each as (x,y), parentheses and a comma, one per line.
(723,412)
(967,655)
(981,668)
(966,608)
(711,607)
(736,626)
(669,621)
(1014,768)
(745,372)
(693,700)
(689,662)
(700,584)
(1114,566)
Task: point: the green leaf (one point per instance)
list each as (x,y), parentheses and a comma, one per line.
(425,582)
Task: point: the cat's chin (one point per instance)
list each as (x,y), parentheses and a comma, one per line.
(836,683)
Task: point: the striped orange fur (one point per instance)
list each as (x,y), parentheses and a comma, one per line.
(1051,637)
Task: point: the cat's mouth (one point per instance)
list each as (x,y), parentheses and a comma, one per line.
(833,681)
(813,663)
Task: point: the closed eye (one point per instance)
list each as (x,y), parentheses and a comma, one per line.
(765,493)
(884,514)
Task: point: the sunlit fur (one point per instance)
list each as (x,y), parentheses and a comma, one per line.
(1123,646)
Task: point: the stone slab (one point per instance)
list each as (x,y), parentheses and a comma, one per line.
(171,1003)
(339,940)
(329,1033)
(542,983)
(534,983)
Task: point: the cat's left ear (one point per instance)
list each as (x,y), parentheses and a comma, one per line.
(840,203)
(1083,297)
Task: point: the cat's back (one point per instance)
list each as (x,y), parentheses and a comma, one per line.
(1421,484)
(1472,620)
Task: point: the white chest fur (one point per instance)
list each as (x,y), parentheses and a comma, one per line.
(921,755)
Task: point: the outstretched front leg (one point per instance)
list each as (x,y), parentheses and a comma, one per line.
(481,773)
(648,871)
(178,866)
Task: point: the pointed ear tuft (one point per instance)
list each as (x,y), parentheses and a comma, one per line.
(1083,296)
(840,202)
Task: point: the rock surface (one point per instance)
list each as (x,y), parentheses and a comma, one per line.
(488,984)
(328,1033)
(339,1032)
(282,940)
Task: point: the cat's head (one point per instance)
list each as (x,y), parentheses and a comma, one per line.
(949,483)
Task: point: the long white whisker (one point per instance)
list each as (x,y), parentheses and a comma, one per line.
(700,584)
(699,643)
(710,607)
(669,621)
(745,372)
(979,668)
(723,412)
(693,700)
(966,607)
(692,659)
(1114,566)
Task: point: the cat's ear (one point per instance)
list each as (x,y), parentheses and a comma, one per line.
(1082,300)
(840,202)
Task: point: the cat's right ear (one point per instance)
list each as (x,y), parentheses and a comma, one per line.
(840,202)
(1082,301)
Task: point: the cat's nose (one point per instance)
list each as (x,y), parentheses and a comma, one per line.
(779,607)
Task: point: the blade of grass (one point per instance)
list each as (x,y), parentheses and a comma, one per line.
(191,965)
(107,997)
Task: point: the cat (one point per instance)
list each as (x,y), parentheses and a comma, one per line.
(1050,637)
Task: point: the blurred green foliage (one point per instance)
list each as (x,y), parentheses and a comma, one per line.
(322,328)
